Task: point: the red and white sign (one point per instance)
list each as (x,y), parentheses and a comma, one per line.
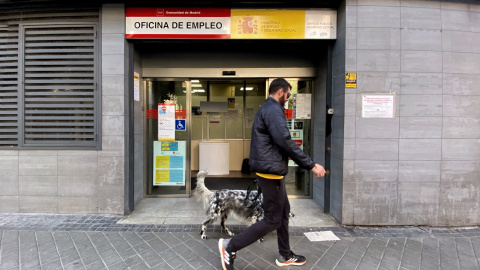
(378,106)
(178,23)
(166,122)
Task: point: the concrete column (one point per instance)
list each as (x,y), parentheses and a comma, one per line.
(111,160)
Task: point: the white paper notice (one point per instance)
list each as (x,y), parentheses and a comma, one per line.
(166,122)
(214,117)
(378,106)
(321,236)
(136,86)
(231,115)
(302,106)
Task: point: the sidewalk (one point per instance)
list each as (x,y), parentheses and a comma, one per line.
(98,242)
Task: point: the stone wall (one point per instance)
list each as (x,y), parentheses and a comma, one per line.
(421,167)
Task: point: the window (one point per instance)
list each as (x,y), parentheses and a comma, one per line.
(49,78)
(59,90)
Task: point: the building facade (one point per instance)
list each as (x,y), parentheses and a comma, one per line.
(77,94)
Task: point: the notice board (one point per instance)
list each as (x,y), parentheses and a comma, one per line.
(169,163)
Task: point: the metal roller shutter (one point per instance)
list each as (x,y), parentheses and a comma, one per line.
(8,86)
(49,77)
(59,84)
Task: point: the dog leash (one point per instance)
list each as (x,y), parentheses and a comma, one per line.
(249,190)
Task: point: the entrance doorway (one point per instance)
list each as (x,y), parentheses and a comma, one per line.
(218,137)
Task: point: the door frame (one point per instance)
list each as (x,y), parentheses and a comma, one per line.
(178,74)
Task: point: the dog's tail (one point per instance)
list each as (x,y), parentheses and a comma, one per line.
(201,191)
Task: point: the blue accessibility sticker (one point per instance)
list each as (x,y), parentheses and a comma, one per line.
(180,124)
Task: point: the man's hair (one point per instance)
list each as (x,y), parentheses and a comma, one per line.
(277,84)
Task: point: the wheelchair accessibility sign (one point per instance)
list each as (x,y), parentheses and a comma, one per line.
(180,124)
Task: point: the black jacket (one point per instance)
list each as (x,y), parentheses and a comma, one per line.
(272,144)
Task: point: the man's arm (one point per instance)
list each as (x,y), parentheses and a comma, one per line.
(277,127)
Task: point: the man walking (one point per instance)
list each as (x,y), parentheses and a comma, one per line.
(271,146)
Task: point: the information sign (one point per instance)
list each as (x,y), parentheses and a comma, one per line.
(180,124)
(378,106)
(169,163)
(166,122)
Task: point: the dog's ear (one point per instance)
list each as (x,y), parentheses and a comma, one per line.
(201,174)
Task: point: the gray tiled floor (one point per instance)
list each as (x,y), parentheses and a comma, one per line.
(190,211)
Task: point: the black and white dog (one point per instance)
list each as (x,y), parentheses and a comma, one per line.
(220,204)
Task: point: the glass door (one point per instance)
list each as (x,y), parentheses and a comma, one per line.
(298,111)
(172,151)
(167,142)
(231,126)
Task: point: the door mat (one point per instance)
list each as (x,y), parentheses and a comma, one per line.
(321,236)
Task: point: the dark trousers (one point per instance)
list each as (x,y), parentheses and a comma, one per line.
(277,209)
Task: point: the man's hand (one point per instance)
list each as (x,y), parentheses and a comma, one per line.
(318,170)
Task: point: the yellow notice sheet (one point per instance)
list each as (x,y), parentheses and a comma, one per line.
(162,162)
(162,176)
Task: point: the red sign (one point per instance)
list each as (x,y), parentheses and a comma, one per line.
(288,114)
(152,114)
(178,23)
(180,114)
(298,142)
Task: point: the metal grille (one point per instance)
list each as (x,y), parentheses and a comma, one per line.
(48,75)
(59,85)
(8,85)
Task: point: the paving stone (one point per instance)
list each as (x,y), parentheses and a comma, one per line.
(197,262)
(98,265)
(342,265)
(30,265)
(375,251)
(139,266)
(131,261)
(8,262)
(341,245)
(91,259)
(335,253)
(328,261)
(430,261)
(68,252)
(370,260)
(70,259)
(74,265)
(112,260)
(105,253)
(126,253)
(468,261)
(386,265)
(176,262)
(90,251)
(119,266)
(356,251)
(153,260)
